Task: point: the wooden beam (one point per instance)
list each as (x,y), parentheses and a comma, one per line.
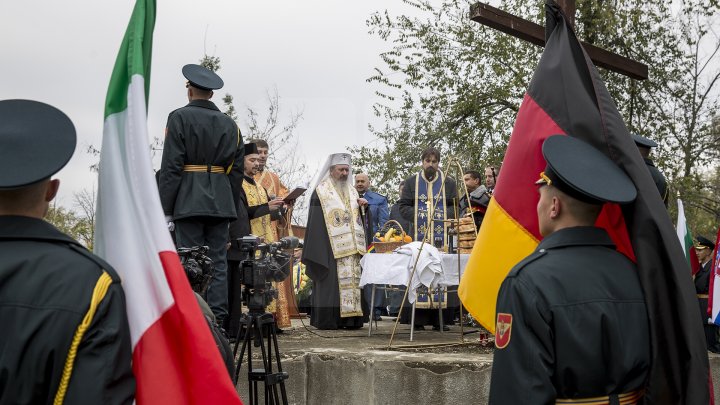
(568,7)
(535,34)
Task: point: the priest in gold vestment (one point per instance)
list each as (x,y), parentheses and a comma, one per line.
(271,182)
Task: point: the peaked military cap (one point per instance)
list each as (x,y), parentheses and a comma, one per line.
(250,149)
(704,243)
(642,141)
(36,141)
(202,78)
(583,172)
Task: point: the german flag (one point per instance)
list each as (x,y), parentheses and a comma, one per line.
(567,96)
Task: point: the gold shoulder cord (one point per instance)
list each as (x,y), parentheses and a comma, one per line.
(98,294)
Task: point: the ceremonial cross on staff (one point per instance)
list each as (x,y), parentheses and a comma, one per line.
(534,33)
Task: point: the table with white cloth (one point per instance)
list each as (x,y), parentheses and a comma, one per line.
(380,269)
(394,268)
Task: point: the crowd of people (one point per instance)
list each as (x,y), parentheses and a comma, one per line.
(210,182)
(216,189)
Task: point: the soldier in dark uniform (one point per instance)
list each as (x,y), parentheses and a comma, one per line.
(571,318)
(201,177)
(66,336)
(644,145)
(704,248)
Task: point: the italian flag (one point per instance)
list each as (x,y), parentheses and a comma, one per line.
(686,240)
(175,359)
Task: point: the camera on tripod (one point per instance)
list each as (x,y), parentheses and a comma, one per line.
(198,267)
(262,263)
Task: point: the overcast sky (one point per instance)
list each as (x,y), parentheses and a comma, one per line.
(317,53)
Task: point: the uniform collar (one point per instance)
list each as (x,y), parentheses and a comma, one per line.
(577,236)
(204,104)
(19,227)
(648,162)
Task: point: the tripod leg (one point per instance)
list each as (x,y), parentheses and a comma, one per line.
(244,337)
(279,368)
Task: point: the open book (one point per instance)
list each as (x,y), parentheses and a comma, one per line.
(294,194)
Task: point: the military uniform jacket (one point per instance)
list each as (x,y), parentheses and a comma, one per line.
(702,279)
(46,284)
(200,135)
(702,286)
(572,323)
(659,180)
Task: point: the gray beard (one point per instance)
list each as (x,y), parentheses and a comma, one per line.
(342,187)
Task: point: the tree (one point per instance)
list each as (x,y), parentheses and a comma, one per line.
(447,83)
(67,221)
(452,83)
(85,202)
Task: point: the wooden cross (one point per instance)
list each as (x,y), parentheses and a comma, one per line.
(534,33)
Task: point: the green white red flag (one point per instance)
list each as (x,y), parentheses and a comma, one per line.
(175,359)
(686,239)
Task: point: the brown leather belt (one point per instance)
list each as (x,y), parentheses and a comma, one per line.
(203,168)
(628,398)
(703,296)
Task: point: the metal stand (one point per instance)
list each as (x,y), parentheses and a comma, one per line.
(372,311)
(258,329)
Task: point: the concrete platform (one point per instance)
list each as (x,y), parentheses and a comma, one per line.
(349,368)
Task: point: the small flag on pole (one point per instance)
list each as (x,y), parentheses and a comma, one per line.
(715,285)
(686,239)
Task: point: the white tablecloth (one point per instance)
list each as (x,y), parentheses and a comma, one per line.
(393,268)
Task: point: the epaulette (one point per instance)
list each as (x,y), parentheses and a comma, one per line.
(524,262)
(100,262)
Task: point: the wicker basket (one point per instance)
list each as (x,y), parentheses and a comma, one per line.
(388,247)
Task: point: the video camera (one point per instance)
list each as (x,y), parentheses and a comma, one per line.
(198,267)
(261,264)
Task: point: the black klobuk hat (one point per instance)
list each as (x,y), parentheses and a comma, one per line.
(583,172)
(250,148)
(36,141)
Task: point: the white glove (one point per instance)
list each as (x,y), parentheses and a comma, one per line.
(170,223)
(710,321)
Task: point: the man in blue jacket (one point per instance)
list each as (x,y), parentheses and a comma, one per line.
(377,203)
(375,218)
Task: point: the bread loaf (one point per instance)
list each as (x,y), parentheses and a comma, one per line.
(469,228)
(466,243)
